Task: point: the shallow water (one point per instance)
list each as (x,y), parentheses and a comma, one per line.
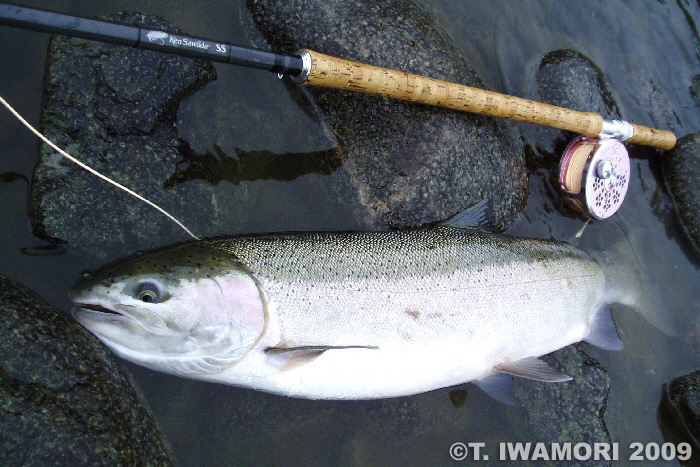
(646,48)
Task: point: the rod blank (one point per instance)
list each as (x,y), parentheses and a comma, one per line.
(134,36)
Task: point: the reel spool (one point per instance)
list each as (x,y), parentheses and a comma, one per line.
(595,174)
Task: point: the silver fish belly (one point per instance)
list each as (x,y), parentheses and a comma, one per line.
(384,314)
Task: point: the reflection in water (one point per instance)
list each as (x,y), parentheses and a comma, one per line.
(252,165)
(300,96)
(43,250)
(691,25)
(38,250)
(458,397)
(9,177)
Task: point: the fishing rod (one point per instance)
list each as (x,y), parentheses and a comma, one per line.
(595,168)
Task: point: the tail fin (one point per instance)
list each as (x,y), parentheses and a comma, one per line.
(626,279)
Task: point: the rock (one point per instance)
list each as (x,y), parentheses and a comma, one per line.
(695,88)
(653,104)
(681,169)
(566,78)
(407,164)
(569,412)
(684,394)
(679,412)
(114,108)
(65,398)
(692,336)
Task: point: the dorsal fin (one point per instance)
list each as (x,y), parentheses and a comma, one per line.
(476,216)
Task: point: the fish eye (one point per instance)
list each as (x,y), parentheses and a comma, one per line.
(148,296)
(149,292)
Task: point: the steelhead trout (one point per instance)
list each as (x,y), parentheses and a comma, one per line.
(351,315)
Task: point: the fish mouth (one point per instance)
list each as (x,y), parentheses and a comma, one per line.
(98,308)
(89,314)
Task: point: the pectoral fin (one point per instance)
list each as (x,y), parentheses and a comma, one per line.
(532,368)
(296,356)
(314,348)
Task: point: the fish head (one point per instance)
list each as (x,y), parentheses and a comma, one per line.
(191,309)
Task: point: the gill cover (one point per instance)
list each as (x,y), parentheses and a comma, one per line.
(190,309)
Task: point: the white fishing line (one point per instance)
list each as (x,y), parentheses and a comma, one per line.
(93,171)
(580,232)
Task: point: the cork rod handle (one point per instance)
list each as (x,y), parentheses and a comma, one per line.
(334,72)
(652,137)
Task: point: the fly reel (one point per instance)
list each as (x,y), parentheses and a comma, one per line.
(595,174)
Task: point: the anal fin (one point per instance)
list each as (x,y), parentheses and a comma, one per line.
(499,385)
(532,368)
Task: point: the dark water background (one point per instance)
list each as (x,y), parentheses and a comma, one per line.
(649,51)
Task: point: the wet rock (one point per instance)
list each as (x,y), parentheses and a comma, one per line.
(568,412)
(114,108)
(653,102)
(64,398)
(681,168)
(692,336)
(695,88)
(566,78)
(679,412)
(407,164)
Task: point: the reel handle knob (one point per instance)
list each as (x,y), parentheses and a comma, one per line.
(595,174)
(605,169)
